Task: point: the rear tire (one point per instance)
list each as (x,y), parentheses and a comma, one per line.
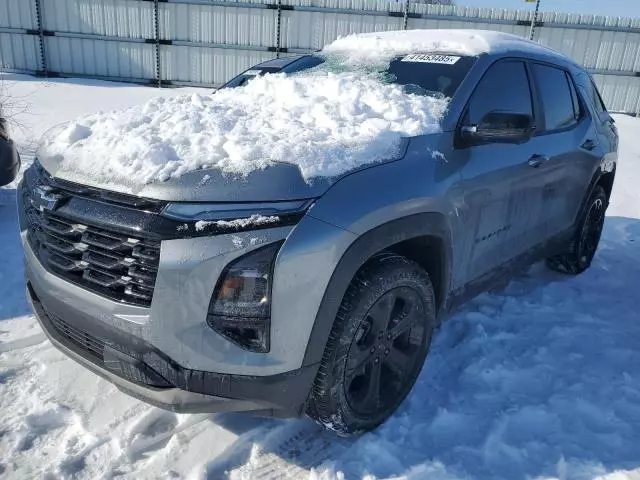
(376,347)
(582,247)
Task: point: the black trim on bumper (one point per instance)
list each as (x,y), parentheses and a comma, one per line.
(142,371)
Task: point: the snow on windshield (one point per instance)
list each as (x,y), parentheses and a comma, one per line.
(324,122)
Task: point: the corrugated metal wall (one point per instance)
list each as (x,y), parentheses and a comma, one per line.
(18,52)
(206,42)
(211,43)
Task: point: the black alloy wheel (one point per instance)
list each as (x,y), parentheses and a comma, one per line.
(591,231)
(376,347)
(385,350)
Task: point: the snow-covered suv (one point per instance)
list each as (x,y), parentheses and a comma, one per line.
(292,245)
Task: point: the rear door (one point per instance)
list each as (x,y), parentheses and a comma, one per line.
(502,186)
(568,141)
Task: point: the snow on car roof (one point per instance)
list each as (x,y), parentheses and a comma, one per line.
(458,42)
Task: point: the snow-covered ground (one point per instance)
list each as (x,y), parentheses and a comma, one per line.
(539,380)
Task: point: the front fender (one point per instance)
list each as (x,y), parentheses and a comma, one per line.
(358,253)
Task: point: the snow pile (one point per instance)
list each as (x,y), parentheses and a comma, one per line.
(324,123)
(385,45)
(253,220)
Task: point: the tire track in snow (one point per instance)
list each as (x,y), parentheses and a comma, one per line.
(290,450)
(154,430)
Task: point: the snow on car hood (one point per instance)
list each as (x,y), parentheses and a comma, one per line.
(323,123)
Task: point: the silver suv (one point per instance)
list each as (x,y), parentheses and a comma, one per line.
(183,298)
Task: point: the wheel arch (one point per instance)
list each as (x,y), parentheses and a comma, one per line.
(603,178)
(419,237)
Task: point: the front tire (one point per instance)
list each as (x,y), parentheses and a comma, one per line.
(584,243)
(377,345)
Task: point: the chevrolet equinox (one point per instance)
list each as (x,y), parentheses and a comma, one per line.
(182,297)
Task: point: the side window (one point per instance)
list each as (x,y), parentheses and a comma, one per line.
(504,88)
(556,96)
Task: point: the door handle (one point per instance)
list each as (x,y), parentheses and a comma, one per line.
(536,160)
(589,144)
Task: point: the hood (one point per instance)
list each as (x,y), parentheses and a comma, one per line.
(279,137)
(280,181)
(277,182)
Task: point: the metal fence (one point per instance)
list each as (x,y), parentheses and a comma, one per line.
(206,42)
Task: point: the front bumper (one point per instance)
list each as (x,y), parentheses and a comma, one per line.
(161,351)
(139,370)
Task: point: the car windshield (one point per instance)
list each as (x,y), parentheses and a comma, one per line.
(437,75)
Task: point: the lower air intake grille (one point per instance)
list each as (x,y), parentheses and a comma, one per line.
(111,264)
(82,340)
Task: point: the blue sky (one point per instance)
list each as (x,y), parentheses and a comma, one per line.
(620,8)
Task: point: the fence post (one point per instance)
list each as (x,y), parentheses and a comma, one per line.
(43,47)
(156,28)
(405,19)
(278,20)
(534,20)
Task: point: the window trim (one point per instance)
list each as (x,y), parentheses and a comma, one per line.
(541,122)
(534,105)
(575,99)
(597,92)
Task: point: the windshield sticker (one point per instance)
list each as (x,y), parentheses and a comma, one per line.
(431,58)
(253,73)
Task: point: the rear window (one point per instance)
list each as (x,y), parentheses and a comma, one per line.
(430,74)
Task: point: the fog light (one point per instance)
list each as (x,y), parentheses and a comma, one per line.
(240,308)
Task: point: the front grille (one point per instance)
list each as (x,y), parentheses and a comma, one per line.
(82,340)
(106,262)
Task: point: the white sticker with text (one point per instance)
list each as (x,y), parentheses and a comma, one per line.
(431,58)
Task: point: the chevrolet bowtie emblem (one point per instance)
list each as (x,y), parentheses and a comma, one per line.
(45,198)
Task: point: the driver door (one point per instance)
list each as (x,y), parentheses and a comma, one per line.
(503,184)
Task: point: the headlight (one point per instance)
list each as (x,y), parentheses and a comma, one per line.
(237,216)
(240,308)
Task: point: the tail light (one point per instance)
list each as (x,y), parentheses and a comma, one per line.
(240,308)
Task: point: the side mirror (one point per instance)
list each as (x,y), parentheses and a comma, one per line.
(499,127)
